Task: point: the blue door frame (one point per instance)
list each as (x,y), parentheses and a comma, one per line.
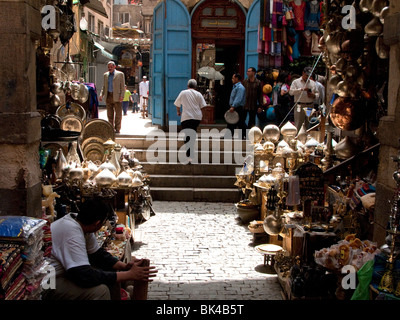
(252,21)
(171,67)
(172,54)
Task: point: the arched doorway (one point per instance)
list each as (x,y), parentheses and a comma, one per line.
(218,42)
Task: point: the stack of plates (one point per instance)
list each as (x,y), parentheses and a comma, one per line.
(94,134)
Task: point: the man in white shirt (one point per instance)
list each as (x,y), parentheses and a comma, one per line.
(305,92)
(144,96)
(84,270)
(192,102)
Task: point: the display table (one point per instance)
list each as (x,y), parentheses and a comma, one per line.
(268,251)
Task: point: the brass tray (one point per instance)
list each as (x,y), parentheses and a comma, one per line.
(98,128)
(94,152)
(75,109)
(71,123)
(84,143)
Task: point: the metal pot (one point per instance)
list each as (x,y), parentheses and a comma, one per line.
(345,149)
(377,6)
(347,114)
(271,133)
(383,14)
(382,50)
(136,182)
(74,90)
(124,179)
(374,28)
(269,147)
(255,135)
(365,5)
(55,101)
(108,166)
(83,94)
(76,173)
(333,82)
(288,130)
(273,223)
(342,89)
(56,87)
(105,178)
(340,66)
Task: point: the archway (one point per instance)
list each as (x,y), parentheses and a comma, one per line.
(218,42)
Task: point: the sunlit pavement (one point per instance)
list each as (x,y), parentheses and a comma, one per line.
(132,124)
(202,253)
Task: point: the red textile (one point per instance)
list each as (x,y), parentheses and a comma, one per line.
(299,12)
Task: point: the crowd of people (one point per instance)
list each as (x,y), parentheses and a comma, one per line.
(275,100)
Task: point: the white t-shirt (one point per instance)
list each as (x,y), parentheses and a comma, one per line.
(192,101)
(70,245)
(143,88)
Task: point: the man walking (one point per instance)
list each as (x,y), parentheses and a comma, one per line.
(237,101)
(253,96)
(192,102)
(144,96)
(305,92)
(113,92)
(135,101)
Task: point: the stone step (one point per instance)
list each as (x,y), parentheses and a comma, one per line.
(182,181)
(195,194)
(176,143)
(211,157)
(193,169)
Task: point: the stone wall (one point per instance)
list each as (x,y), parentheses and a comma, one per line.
(20,175)
(389,126)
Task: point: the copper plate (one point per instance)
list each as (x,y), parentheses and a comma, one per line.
(90,140)
(71,123)
(94,152)
(346,114)
(75,109)
(98,128)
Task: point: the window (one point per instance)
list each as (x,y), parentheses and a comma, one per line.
(124,17)
(100,28)
(91,25)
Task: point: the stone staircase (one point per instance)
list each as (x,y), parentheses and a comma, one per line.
(210,177)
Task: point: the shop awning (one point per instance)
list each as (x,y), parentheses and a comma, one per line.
(104,51)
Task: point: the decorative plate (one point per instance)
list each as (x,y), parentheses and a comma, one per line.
(98,128)
(85,142)
(74,109)
(94,152)
(71,123)
(231,117)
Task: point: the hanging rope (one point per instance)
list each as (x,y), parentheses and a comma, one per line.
(308,78)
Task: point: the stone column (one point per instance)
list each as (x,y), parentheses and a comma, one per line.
(389,126)
(20,175)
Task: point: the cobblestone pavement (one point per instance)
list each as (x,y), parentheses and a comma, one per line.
(202,252)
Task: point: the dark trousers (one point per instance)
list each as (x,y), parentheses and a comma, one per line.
(135,107)
(187,127)
(125,106)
